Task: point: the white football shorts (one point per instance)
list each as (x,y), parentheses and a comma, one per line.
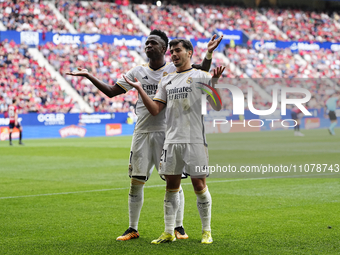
(184,158)
(146,149)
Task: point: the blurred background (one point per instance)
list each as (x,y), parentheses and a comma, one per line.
(267,44)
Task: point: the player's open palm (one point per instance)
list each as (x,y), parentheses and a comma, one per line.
(81,72)
(212,44)
(218,72)
(135,84)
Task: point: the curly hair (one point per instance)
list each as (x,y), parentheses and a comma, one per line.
(162,35)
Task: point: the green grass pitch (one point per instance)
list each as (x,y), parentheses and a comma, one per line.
(69,196)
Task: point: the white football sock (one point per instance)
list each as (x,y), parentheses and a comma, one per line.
(204,207)
(171,203)
(180,211)
(136,198)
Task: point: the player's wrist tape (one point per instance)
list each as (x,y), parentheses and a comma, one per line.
(208,55)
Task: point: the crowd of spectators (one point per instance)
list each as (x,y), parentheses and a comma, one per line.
(110,18)
(22,78)
(326,63)
(169,18)
(304,25)
(268,63)
(249,20)
(29,15)
(320,88)
(107,62)
(98,17)
(281,67)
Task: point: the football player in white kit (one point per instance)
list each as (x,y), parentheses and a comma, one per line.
(185,146)
(149,133)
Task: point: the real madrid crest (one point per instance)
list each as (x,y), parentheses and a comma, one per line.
(189,80)
(165,74)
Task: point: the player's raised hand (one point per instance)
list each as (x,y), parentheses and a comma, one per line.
(81,72)
(218,72)
(135,84)
(212,44)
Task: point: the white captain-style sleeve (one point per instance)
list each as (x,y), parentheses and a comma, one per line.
(131,76)
(161,95)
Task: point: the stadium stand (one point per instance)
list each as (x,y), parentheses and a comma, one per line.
(98,17)
(106,62)
(266,63)
(305,25)
(321,88)
(169,18)
(325,62)
(234,18)
(282,68)
(267,68)
(29,16)
(21,77)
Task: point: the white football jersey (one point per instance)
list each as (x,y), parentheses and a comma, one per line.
(182,94)
(149,79)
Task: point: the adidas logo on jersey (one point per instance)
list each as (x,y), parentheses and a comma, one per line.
(146,78)
(168,83)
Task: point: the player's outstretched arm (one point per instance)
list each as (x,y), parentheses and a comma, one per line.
(110,91)
(216,105)
(212,45)
(153,106)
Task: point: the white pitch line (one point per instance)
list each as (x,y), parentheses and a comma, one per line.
(101,190)
(152,186)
